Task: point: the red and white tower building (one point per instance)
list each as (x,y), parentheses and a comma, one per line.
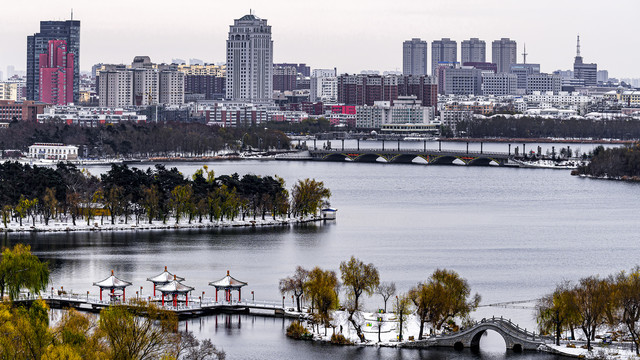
(56,74)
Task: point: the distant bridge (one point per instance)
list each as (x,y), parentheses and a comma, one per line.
(515,338)
(446,157)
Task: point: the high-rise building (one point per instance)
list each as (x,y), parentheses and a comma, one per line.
(145,86)
(324,85)
(414,57)
(250,60)
(284,77)
(522,71)
(504,53)
(473,50)
(422,87)
(583,71)
(603,76)
(38,43)
(115,88)
(444,50)
(171,91)
(56,74)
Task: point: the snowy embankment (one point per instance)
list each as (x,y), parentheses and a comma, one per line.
(370,323)
(120,225)
(598,352)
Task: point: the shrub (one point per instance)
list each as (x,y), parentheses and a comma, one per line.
(297,331)
(339,339)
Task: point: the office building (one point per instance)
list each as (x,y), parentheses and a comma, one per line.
(38,43)
(422,87)
(504,53)
(324,85)
(522,71)
(56,74)
(300,68)
(443,51)
(473,50)
(584,71)
(284,78)
(462,81)
(250,60)
(544,83)
(366,89)
(414,57)
(26,110)
(603,76)
(500,84)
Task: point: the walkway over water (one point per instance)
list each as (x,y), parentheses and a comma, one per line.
(195,308)
(515,337)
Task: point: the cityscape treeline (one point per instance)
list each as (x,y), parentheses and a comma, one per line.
(438,301)
(129,139)
(617,163)
(592,304)
(530,127)
(129,194)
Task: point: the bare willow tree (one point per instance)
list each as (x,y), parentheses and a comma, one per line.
(295,284)
(386,290)
(627,300)
(593,297)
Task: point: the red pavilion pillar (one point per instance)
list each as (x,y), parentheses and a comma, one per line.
(187,298)
(163,300)
(175,300)
(100,294)
(122,294)
(154,289)
(216,294)
(239,296)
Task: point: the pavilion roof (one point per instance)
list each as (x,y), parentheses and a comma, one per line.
(112,282)
(174,286)
(228,282)
(164,277)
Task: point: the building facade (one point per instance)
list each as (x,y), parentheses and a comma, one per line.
(171,87)
(544,83)
(522,71)
(324,85)
(284,78)
(473,50)
(56,74)
(115,88)
(26,111)
(504,53)
(53,151)
(249,73)
(414,57)
(38,43)
(444,50)
(501,84)
(462,81)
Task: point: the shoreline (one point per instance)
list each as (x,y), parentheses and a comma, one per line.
(540,140)
(81,225)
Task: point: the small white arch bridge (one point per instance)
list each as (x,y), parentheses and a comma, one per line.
(515,338)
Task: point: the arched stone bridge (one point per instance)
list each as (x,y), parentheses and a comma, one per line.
(516,338)
(408,156)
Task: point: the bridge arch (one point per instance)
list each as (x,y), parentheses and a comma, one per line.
(404,158)
(444,160)
(336,157)
(482,161)
(369,157)
(511,343)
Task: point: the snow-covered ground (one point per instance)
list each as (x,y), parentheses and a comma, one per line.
(105,224)
(597,352)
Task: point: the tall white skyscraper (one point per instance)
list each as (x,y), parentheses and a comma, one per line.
(473,50)
(414,57)
(503,54)
(250,60)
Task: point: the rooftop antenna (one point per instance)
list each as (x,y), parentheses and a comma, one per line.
(578,47)
(524,54)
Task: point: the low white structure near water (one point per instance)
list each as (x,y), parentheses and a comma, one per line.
(53,151)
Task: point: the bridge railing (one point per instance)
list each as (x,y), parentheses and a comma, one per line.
(409,151)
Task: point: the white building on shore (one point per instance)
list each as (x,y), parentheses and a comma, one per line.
(53,151)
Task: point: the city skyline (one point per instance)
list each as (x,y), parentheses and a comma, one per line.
(112,36)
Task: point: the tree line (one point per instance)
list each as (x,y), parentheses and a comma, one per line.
(130,139)
(618,163)
(438,301)
(592,304)
(532,127)
(38,193)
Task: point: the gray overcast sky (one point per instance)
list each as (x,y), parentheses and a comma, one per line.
(351,35)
